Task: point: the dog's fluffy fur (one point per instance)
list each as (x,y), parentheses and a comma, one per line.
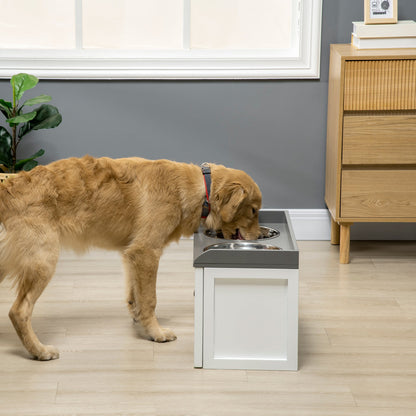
(132,205)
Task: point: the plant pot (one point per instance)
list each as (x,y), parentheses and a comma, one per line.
(4,176)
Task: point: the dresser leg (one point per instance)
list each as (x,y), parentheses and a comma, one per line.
(334,232)
(344,249)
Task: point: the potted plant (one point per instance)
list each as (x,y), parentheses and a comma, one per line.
(43,117)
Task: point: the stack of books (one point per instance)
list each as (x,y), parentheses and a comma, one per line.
(397,35)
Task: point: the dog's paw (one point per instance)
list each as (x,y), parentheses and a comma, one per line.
(163,335)
(48,352)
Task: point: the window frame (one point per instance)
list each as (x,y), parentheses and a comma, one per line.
(304,62)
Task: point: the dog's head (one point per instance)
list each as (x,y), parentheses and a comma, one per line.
(235,204)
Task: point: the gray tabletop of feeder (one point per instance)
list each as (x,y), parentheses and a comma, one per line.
(277,249)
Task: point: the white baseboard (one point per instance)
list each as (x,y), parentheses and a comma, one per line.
(315,224)
(311,224)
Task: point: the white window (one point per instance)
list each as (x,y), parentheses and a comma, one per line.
(177,39)
(45,24)
(132,24)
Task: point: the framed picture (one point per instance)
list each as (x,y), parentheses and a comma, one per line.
(380,11)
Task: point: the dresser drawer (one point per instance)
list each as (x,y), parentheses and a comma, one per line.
(380,85)
(378,194)
(379,139)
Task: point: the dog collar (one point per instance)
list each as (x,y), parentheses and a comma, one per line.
(206,206)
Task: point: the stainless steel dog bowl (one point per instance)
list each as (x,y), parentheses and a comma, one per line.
(241,246)
(276,249)
(266,232)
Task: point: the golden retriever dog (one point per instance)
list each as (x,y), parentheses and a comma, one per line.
(132,205)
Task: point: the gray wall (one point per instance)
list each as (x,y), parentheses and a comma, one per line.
(275,130)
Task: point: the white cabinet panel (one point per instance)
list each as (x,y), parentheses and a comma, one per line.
(250,318)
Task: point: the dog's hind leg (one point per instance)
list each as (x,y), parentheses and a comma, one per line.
(141,266)
(132,303)
(34,275)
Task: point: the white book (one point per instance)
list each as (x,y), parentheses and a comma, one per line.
(401,29)
(383,43)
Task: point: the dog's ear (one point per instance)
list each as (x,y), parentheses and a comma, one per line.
(229,198)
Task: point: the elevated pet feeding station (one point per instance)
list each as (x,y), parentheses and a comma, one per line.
(246,298)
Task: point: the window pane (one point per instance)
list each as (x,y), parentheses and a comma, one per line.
(133,24)
(241,24)
(48,24)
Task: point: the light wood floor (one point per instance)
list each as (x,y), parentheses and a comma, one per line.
(357,343)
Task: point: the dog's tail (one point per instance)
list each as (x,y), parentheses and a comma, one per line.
(2,237)
(4,196)
(13,246)
(6,254)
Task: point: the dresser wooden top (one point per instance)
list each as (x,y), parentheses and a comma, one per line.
(349,52)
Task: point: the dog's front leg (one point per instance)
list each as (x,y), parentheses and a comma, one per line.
(141,267)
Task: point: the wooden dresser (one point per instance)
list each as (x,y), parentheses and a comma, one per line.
(371,139)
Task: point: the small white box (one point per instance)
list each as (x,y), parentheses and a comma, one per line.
(246,318)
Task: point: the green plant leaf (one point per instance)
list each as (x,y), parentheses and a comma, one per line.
(23,118)
(5,147)
(38,100)
(30,165)
(6,108)
(21,83)
(20,164)
(6,104)
(47,117)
